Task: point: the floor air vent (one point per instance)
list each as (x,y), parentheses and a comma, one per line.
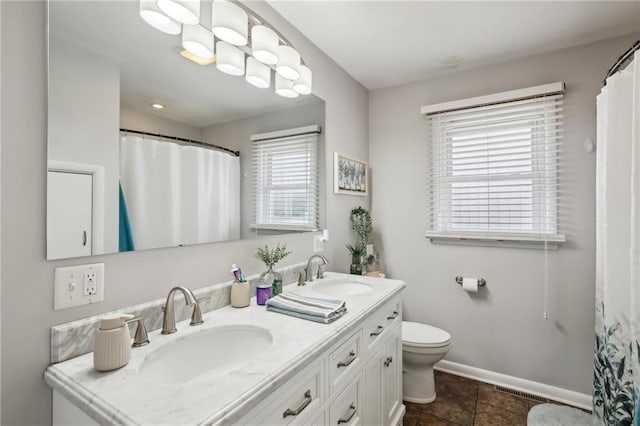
(520,394)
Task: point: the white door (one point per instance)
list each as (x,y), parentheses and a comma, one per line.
(69,214)
(392,378)
(373,390)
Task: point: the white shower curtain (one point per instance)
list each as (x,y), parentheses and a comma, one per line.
(617,362)
(179,194)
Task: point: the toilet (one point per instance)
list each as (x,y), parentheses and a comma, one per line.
(422,346)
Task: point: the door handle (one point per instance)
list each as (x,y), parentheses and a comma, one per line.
(353,410)
(394,316)
(307,400)
(377,333)
(388,361)
(348,361)
(84,238)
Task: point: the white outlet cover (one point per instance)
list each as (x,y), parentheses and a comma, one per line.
(69,286)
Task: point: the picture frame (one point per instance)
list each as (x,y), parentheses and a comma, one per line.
(350,176)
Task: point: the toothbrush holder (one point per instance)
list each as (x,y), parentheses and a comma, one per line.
(240,294)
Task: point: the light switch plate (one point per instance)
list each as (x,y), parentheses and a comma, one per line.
(78,285)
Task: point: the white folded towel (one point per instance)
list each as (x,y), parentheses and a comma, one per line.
(309,308)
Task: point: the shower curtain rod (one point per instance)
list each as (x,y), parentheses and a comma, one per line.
(617,66)
(176,138)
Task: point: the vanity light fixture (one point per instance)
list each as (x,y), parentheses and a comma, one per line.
(230,59)
(229,22)
(284,87)
(264,44)
(198,40)
(303,84)
(288,62)
(152,15)
(193,58)
(157,106)
(258,73)
(183,11)
(228,43)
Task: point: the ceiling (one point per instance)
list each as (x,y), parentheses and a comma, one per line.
(386,43)
(152,71)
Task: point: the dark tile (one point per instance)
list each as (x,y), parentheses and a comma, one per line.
(414,411)
(448,383)
(429,420)
(531,403)
(454,408)
(488,395)
(489,415)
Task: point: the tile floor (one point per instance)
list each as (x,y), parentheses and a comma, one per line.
(462,401)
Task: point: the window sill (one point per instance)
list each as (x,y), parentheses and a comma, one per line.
(291,228)
(497,240)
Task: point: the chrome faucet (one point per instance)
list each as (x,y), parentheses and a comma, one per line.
(309,269)
(169,320)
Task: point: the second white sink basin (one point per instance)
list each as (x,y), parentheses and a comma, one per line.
(341,288)
(219,349)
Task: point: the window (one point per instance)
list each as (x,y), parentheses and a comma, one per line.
(494,168)
(285,174)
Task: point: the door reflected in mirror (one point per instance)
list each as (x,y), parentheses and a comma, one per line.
(147,149)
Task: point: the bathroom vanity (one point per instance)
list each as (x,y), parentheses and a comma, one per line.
(250,366)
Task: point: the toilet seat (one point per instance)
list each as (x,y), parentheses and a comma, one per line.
(419,335)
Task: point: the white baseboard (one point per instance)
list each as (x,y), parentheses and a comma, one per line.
(564,396)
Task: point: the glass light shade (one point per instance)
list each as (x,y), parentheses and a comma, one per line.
(230,59)
(184,11)
(284,87)
(258,73)
(152,15)
(264,44)
(229,22)
(198,40)
(288,62)
(303,84)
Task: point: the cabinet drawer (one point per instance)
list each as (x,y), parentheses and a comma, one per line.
(346,409)
(393,313)
(345,361)
(295,403)
(386,318)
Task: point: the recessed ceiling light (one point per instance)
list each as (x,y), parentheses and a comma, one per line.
(157,106)
(198,60)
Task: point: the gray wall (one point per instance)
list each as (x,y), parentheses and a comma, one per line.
(27,278)
(236,135)
(84,99)
(502,328)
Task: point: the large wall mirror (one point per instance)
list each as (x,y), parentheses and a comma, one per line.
(148,149)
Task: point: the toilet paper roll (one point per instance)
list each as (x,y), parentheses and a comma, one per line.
(470,284)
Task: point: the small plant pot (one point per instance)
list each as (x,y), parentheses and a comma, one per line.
(356,269)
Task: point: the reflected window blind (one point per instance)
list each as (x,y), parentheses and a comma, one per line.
(286,184)
(493,169)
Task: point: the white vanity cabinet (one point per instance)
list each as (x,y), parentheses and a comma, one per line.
(362,380)
(351,375)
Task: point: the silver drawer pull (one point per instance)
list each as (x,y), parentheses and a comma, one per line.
(353,410)
(388,361)
(307,400)
(348,361)
(377,333)
(394,316)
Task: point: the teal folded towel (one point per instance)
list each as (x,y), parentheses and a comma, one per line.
(309,308)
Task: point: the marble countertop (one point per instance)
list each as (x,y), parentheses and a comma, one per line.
(124,397)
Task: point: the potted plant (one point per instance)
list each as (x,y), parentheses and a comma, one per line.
(357,252)
(361,224)
(270,257)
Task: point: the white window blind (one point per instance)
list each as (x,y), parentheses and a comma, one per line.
(286,184)
(494,170)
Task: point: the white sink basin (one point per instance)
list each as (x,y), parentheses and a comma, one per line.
(341,288)
(220,349)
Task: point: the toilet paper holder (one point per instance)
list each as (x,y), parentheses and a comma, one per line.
(481,281)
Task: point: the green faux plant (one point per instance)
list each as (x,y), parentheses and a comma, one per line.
(356,251)
(361,224)
(272,256)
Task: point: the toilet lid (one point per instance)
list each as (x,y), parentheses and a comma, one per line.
(423,335)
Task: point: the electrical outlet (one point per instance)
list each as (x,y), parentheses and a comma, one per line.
(78,285)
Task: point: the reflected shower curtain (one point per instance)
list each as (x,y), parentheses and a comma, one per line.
(617,348)
(179,194)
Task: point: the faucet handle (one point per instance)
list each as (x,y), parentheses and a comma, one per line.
(196,316)
(141,337)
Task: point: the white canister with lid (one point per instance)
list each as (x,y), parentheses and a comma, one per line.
(112,347)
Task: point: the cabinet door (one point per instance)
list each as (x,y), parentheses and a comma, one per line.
(69,214)
(373,389)
(391,363)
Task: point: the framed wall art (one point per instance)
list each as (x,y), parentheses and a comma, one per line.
(350,176)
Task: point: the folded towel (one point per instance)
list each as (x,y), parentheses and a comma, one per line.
(309,308)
